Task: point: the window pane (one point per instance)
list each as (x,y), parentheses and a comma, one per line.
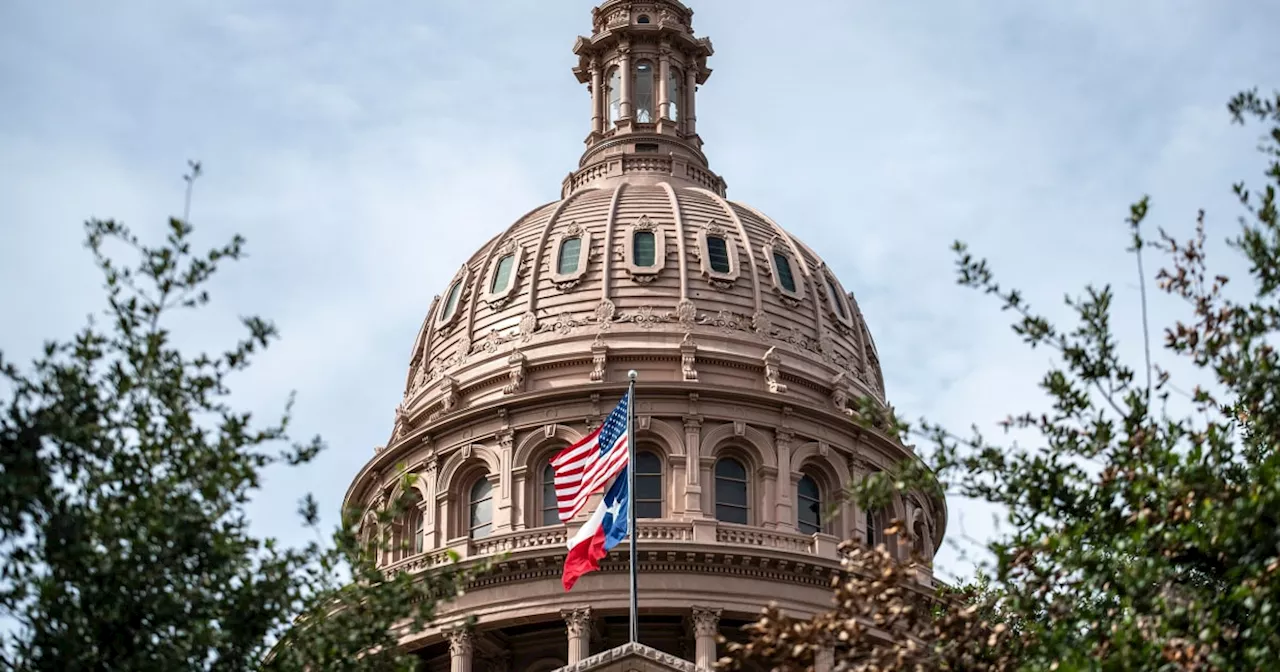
(648,463)
(550,511)
(648,509)
(643,249)
(731,514)
(807,488)
(615,95)
(718,254)
(648,487)
(642,92)
(809,506)
(835,299)
(569,252)
(673,93)
(482,531)
(502,276)
(731,468)
(731,492)
(451,300)
(784,272)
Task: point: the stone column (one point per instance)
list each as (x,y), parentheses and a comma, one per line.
(690,95)
(461,649)
(664,71)
(598,99)
(578,624)
(692,467)
(624,75)
(706,626)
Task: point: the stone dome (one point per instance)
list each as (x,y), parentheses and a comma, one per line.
(749,354)
(709,291)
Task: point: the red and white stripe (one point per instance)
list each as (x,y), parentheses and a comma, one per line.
(582,469)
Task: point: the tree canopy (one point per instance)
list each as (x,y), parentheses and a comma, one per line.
(125,472)
(1136,538)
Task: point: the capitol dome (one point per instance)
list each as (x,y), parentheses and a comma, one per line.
(750,354)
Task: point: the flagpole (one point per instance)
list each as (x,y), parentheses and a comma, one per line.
(631,499)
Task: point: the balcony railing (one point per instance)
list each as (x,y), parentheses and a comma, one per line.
(710,533)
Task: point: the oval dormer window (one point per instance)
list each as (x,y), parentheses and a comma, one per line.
(570,248)
(643,249)
(785,278)
(502,274)
(718,254)
(451,300)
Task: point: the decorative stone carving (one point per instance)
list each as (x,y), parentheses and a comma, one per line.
(772,371)
(449,388)
(604,314)
(688,355)
(528,323)
(515,373)
(577,621)
(706,621)
(599,359)
(686,312)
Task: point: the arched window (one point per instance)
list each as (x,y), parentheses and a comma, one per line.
(642,92)
(644,18)
(731,491)
(451,300)
(674,88)
(481,509)
(808,506)
(502,274)
(644,249)
(876,520)
(785,278)
(550,509)
(836,300)
(718,254)
(615,95)
(648,485)
(570,249)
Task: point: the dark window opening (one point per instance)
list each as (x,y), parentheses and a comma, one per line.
(718,254)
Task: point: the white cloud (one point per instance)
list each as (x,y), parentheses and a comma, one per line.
(365,153)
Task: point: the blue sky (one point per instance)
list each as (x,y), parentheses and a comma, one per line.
(366,149)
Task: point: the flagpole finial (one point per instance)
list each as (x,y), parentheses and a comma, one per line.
(631,375)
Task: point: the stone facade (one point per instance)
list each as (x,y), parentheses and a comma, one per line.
(750,355)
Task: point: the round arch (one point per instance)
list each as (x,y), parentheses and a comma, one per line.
(668,438)
(752,440)
(458,460)
(534,441)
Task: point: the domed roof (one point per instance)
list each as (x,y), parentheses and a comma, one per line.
(642,261)
(644,269)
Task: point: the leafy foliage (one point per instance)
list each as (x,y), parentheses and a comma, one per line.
(124,478)
(1136,539)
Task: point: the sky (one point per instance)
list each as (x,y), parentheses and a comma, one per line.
(367,149)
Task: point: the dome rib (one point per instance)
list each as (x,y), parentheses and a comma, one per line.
(678,216)
(746,243)
(532,304)
(607,270)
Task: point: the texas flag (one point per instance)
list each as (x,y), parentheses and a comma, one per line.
(606,527)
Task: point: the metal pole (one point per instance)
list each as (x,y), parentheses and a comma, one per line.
(631,500)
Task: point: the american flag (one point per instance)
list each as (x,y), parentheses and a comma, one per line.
(587,465)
